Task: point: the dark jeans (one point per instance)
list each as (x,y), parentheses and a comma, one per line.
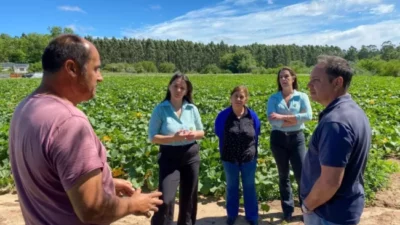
(179,165)
(288,147)
(314,219)
(247,172)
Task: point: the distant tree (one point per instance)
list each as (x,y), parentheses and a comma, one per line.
(139,68)
(35,67)
(166,67)
(55,31)
(17,56)
(188,56)
(367,52)
(299,67)
(68,30)
(211,69)
(239,62)
(351,54)
(259,70)
(130,68)
(388,51)
(115,67)
(149,66)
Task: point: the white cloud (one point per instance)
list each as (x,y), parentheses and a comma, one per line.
(270,2)
(208,12)
(382,9)
(80,29)
(313,8)
(311,22)
(71,9)
(155,7)
(362,2)
(361,35)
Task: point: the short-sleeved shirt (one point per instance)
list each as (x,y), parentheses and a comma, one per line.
(52,144)
(341,139)
(240,139)
(299,106)
(164,121)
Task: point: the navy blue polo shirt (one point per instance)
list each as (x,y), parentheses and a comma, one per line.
(341,139)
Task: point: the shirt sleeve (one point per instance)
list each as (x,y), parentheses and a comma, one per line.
(271,108)
(155,123)
(216,125)
(197,119)
(305,110)
(74,151)
(257,124)
(335,145)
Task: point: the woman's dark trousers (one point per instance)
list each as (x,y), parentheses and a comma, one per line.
(179,166)
(288,147)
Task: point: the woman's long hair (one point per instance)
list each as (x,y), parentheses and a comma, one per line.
(293,74)
(188,96)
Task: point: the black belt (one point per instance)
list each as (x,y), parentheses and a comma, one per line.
(288,133)
(177,147)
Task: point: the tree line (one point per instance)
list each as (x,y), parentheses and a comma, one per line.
(148,55)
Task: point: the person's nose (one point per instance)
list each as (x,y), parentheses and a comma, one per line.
(100,77)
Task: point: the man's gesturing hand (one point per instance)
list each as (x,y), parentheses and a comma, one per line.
(142,204)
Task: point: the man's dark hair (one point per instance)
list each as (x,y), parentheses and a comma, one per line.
(63,48)
(335,67)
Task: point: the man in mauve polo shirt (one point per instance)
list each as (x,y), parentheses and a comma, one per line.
(332,181)
(59,165)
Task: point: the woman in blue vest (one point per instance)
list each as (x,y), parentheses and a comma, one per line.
(175,125)
(287,111)
(238,128)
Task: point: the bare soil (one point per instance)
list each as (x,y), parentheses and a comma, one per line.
(384,211)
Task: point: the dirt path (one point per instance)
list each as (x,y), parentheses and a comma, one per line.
(385,211)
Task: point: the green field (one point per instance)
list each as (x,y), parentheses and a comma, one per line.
(121,111)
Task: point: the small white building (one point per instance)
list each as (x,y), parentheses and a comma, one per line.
(15,67)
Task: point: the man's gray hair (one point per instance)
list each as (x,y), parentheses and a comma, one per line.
(335,67)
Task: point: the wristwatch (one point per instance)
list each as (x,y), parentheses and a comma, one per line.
(304,209)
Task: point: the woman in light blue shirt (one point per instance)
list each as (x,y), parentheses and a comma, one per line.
(175,125)
(287,111)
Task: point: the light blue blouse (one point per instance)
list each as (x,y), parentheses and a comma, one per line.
(164,121)
(299,105)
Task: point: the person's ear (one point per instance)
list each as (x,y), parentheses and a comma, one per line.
(71,67)
(339,82)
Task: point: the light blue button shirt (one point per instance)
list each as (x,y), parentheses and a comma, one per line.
(164,121)
(299,105)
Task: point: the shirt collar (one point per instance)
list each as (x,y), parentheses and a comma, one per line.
(339,100)
(295,93)
(168,103)
(247,112)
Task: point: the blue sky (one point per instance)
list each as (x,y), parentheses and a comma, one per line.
(324,22)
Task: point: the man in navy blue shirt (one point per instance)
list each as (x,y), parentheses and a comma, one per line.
(332,182)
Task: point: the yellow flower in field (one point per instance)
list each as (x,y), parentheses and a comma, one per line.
(116,172)
(371,102)
(138,115)
(385,140)
(148,174)
(259,161)
(106,138)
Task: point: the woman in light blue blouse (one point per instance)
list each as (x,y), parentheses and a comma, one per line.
(175,125)
(287,111)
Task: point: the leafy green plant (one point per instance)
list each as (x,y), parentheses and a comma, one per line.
(121,110)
